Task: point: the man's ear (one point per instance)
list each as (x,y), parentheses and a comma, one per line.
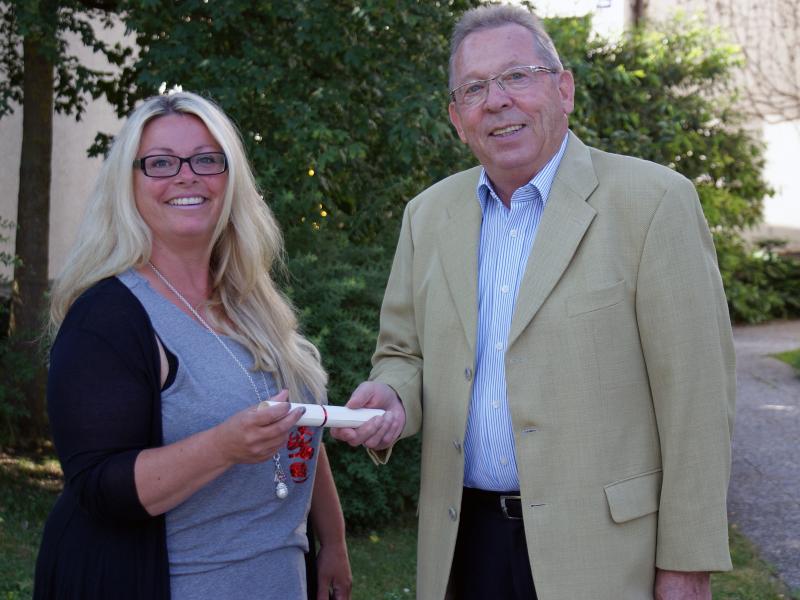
(455,119)
(566,88)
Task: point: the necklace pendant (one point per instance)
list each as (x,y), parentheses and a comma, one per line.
(281,490)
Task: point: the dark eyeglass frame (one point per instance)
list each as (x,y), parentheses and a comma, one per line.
(497,79)
(139,163)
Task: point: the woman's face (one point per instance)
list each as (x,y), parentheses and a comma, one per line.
(182,210)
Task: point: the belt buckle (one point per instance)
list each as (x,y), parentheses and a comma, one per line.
(505,508)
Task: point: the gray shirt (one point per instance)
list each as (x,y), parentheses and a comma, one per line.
(232,538)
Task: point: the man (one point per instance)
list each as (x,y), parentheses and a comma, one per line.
(555,324)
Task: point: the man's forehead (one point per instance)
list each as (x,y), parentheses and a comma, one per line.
(487,52)
(476,72)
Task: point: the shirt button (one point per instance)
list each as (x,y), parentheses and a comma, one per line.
(513,233)
(453,514)
(468,374)
(504,289)
(498,346)
(503,461)
(495,404)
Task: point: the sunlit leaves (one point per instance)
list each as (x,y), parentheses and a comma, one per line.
(664,94)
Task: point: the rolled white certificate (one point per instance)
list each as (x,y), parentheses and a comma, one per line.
(322,415)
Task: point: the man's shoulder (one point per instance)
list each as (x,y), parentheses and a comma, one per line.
(609,164)
(457,188)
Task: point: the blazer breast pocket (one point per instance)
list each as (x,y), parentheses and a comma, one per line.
(596,299)
(634,497)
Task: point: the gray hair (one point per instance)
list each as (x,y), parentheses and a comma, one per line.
(498,15)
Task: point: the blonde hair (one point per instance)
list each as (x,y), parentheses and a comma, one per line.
(246,245)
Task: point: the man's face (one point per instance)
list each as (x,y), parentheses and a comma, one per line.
(512,135)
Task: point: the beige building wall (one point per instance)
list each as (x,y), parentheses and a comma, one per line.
(73,173)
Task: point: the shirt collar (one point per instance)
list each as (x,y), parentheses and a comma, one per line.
(542,181)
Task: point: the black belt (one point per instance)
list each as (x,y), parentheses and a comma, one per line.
(508,504)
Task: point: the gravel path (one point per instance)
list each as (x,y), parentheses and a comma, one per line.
(764,494)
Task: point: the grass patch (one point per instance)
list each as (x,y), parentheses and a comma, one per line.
(383,561)
(792,357)
(384,568)
(28,487)
(751,578)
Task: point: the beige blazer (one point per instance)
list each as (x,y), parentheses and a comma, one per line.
(620,373)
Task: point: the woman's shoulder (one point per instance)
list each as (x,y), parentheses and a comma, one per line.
(108,308)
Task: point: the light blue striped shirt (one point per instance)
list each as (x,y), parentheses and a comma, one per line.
(507,236)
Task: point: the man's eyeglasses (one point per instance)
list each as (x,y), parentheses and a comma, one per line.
(511,80)
(168,165)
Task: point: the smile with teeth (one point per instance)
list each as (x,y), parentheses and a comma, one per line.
(506,130)
(193,201)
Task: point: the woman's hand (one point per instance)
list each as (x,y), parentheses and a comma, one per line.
(167,475)
(327,520)
(256,433)
(334,579)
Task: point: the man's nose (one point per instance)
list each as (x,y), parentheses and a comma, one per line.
(496,96)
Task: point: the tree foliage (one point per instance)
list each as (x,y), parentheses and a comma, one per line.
(352,92)
(663,95)
(768,33)
(52,26)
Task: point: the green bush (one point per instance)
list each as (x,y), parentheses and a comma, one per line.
(760,284)
(15,368)
(339,292)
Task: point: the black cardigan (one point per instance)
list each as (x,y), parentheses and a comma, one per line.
(104,403)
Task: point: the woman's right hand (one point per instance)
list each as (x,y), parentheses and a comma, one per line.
(167,475)
(257,433)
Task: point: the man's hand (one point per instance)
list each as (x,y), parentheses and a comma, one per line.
(682,585)
(378,433)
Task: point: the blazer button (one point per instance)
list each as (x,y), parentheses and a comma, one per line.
(468,374)
(453,514)
(457,446)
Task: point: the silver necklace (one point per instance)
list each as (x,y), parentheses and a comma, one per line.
(281,489)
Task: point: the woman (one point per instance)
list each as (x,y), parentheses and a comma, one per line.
(170,334)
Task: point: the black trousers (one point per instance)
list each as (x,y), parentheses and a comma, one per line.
(491,557)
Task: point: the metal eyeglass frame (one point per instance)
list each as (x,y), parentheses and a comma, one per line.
(497,79)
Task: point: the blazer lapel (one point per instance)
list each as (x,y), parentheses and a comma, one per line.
(458,248)
(564,221)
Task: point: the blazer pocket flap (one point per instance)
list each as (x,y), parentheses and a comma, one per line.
(634,497)
(595,300)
